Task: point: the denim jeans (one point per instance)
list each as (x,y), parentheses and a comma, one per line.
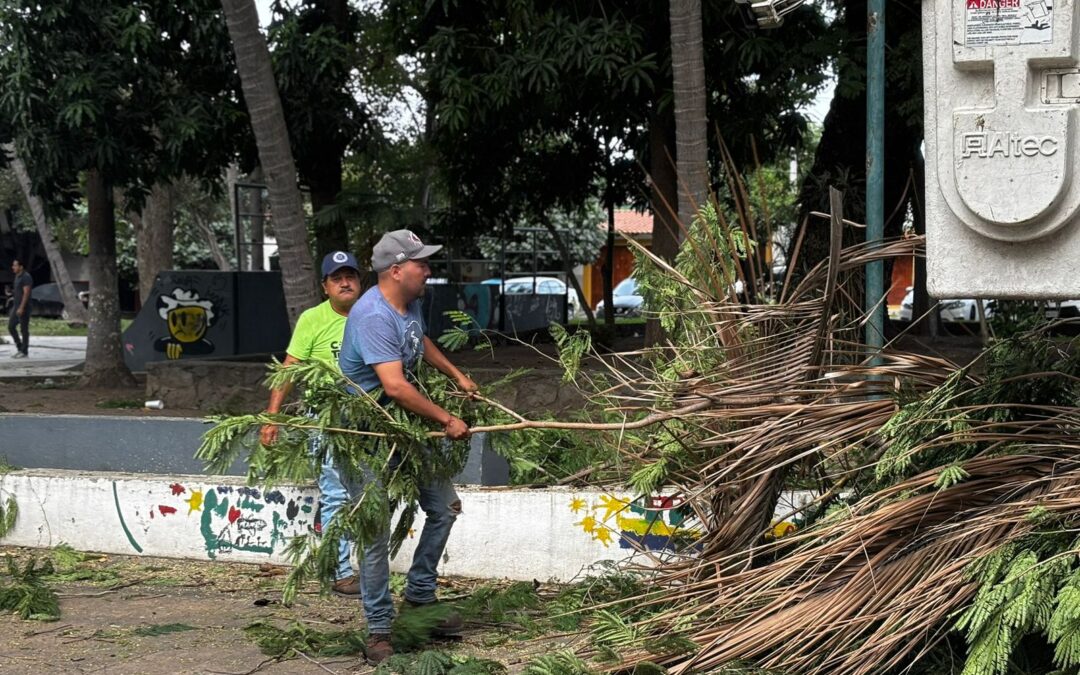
(334,495)
(16,323)
(441,507)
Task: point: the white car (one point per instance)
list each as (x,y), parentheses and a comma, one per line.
(1063,309)
(540,286)
(951,310)
(625,299)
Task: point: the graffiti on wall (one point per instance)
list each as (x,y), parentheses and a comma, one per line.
(228,518)
(655,523)
(187,318)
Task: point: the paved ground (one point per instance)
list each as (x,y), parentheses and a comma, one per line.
(49,357)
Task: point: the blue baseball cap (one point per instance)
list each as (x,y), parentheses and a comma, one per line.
(335,260)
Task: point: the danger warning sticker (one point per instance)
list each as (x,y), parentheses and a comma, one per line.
(989,23)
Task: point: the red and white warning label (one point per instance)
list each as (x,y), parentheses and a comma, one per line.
(989,23)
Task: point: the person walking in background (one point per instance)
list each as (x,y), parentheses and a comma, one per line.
(318,335)
(19,318)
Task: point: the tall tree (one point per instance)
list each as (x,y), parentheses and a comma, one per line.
(74,312)
(525,94)
(840,159)
(317,48)
(154,224)
(275,155)
(688,89)
(125,95)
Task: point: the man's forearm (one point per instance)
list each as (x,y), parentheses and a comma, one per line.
(278,396)
(410,398)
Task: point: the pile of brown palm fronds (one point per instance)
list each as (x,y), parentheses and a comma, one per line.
(924,472)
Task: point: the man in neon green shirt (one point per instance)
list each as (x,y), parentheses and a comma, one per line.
(318,335)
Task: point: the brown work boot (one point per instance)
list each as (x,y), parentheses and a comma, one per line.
(378,648)
(349,587)
(450,623)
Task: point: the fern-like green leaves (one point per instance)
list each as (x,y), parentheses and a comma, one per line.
(26,593)
(9,513)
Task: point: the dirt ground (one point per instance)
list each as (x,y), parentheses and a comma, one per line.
(123,624)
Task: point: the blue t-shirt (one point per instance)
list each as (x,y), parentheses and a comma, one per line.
(376,333)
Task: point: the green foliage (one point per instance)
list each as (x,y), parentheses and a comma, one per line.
(1018,595)
(414,626)
(139,92)
(459,333)
(298,638)
(709,261)
(385,449)
(612,630)
(538,103)
(498,605)
(1024,376)
(435,662)
(25,592)
(9,513)
(525,251)
(563,662)
(950,476)
(68,567)
(573,346)
(1016,317)
(1063,629)
(649,477)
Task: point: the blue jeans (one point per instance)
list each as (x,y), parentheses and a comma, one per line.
(441,507)
(334,496)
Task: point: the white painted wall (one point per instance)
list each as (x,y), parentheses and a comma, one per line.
(518,534)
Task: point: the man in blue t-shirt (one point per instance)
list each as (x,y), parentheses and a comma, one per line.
(384,340)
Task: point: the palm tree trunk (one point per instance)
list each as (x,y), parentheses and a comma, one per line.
(275,155)
(74,312)
(691,133)
(104,365)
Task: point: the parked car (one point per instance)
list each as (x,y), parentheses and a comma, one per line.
(1064,309)
(625,299)
(951,311)
(45,300)
(540,286)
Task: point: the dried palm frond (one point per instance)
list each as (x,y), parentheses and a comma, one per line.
(928,469)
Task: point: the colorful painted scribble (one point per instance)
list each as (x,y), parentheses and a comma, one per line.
(240,518)
(654,523)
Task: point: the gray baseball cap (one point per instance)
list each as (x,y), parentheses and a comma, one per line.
(398,246)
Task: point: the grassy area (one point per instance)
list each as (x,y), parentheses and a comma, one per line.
(43,326)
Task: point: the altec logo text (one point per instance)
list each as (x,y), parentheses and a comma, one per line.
(1003,144)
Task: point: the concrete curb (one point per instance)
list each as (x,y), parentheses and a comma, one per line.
(552,533)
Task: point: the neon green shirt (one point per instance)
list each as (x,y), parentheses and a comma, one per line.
(318,335)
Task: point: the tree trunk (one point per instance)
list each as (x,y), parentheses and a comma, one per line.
(104,365)
(74,312)
(154,237)
(840,158)
(330,231)
(211,241)
(688,87)
(663,200)
(275,156)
